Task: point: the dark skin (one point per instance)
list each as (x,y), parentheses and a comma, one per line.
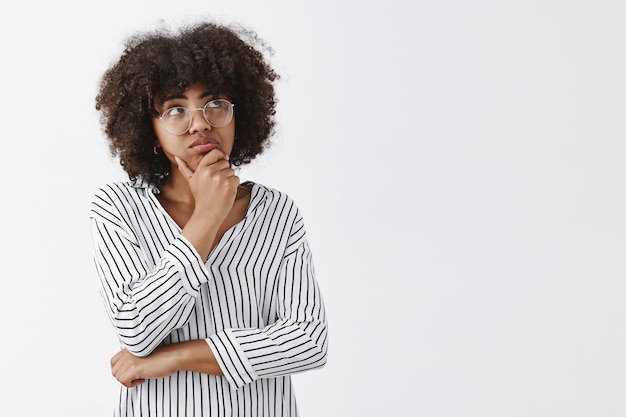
(204,197)
(181,211)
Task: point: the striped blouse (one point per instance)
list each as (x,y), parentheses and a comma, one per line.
(255,301)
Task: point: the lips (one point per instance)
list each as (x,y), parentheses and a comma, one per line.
(204,144)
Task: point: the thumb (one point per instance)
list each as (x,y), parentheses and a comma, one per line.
(183,167)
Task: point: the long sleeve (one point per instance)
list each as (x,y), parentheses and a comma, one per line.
(255,300)
(146,298)
(297,341)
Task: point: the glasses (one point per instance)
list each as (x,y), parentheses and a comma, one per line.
(177,120)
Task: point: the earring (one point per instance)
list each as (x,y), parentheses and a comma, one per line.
(155,150)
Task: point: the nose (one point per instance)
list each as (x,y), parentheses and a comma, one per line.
(198,122)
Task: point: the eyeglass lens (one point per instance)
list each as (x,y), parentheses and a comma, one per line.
(217,113)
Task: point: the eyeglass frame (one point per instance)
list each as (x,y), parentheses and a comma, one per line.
(232,112)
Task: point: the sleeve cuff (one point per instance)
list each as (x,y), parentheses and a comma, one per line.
(184,257)
(231,359)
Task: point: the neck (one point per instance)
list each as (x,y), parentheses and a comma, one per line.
(176,188)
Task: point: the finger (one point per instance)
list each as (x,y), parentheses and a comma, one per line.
(214,167)
(127,375)
(221,165)
(129,380)
(116,357)
(183,167)
(136,382)
(213,156)
(229,172)
(115,367)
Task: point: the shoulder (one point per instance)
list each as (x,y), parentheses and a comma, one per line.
(275,206)
(131,187)
(115,195)
(269,197)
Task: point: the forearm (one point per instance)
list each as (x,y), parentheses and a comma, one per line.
(193,355)
(201,231)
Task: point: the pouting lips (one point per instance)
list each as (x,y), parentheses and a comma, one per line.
(203,141)
(204,145)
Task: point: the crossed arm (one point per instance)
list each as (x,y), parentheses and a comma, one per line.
(193,355)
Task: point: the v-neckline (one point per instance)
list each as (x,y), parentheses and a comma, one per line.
(228,232)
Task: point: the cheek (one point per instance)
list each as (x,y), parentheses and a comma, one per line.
(158,131)
(232,132)
(230,144)
(163,138)
(155,128)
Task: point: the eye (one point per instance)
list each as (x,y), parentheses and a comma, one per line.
(175,112)
(218,104)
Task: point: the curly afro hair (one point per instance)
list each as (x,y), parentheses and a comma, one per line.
(229,59)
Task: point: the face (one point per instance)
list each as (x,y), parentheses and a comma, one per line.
(201,137)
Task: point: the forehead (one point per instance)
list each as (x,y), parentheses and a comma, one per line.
(196,90)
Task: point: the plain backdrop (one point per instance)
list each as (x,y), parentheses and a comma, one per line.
(460,168)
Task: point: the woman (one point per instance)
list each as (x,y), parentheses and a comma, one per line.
(209,283)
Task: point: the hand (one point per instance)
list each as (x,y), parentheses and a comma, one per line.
(131,370)
(213,183)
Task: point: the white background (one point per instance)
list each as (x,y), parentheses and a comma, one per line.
(460,166)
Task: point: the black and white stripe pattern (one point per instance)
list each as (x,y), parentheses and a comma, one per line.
(255,301)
